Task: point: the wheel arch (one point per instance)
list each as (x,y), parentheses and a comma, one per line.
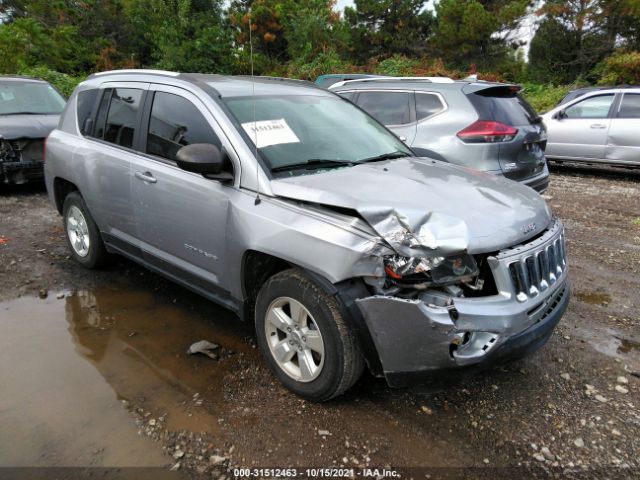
(61,188)
(258,267)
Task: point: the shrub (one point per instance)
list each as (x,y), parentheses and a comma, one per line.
(61,81)
(544,97)
(620,68)
(397,66)
(325,62)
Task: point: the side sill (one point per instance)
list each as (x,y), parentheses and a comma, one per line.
(177,275)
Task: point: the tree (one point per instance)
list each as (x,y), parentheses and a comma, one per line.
(183,35)
(475,32)
(267,33)
(305,33)
(552,54)
(588,30)
(25,42)
(388,27)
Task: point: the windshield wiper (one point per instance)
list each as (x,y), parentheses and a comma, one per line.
(313,163)
(386,156)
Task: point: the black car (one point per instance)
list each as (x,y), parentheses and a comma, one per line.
(29,110)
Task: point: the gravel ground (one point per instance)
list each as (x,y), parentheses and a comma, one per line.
(571,407)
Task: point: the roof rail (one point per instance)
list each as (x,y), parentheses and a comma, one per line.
(393,79)
(138,70)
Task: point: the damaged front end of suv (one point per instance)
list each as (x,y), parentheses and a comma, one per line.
(440,310)
(450,283)
(29,111)
(21,160)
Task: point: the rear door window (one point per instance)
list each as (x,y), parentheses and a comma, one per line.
(592,107)
(389,108)
(630,106)
(122,117)
(174,123)
(427,104)
(503,106)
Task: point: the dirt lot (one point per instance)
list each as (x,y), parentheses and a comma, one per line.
(94,370)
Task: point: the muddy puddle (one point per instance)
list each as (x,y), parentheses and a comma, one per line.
(594,298)
(79,365)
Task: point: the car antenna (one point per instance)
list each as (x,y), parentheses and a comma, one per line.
(253,99)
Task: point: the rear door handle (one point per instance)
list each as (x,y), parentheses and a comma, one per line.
(598,125)
(146,177)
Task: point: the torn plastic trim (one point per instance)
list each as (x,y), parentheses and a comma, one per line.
(423,335)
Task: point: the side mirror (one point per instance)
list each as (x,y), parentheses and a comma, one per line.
(559,115)
(205,159)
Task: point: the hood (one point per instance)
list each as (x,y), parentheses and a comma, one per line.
(27,126)
(421,206)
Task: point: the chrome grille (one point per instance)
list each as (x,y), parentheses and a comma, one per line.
(533,273)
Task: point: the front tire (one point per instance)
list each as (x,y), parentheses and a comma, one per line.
(304,337)
(83,236)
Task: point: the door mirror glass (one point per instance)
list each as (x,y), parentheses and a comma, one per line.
(203,158)
(559,115)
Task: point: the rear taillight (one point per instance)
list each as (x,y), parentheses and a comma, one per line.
(484,131)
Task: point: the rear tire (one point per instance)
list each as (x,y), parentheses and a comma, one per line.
(304,337)
(82,234)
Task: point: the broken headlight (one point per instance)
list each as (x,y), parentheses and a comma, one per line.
(413,271)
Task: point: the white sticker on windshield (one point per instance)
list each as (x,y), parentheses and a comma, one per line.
(270,132)
(7,96)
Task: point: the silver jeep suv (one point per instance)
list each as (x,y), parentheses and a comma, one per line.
(298,211)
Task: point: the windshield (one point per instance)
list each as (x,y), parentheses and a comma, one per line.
(296,129)
(29,98)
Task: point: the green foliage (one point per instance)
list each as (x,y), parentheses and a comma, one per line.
(552,54)
(25,42)
(543,97)
(312,28)
(61,81)
(578,35)
(620,68)
(577,41)
(388,27)
(325,62)
(397,66)
(468,32)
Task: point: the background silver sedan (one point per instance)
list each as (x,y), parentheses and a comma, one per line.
(602,126)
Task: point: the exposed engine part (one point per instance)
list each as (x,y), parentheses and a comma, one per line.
(21,160)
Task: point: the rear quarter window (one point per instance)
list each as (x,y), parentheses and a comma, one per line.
(84,108)
(427,104)
(504,107)
(630,106)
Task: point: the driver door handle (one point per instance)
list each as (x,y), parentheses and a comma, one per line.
(598,125)
(145,177)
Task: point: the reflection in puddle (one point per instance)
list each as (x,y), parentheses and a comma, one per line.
(594,298)
(75,360)
(627,345)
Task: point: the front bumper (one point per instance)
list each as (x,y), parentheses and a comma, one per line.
(416,337)
(18,173)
